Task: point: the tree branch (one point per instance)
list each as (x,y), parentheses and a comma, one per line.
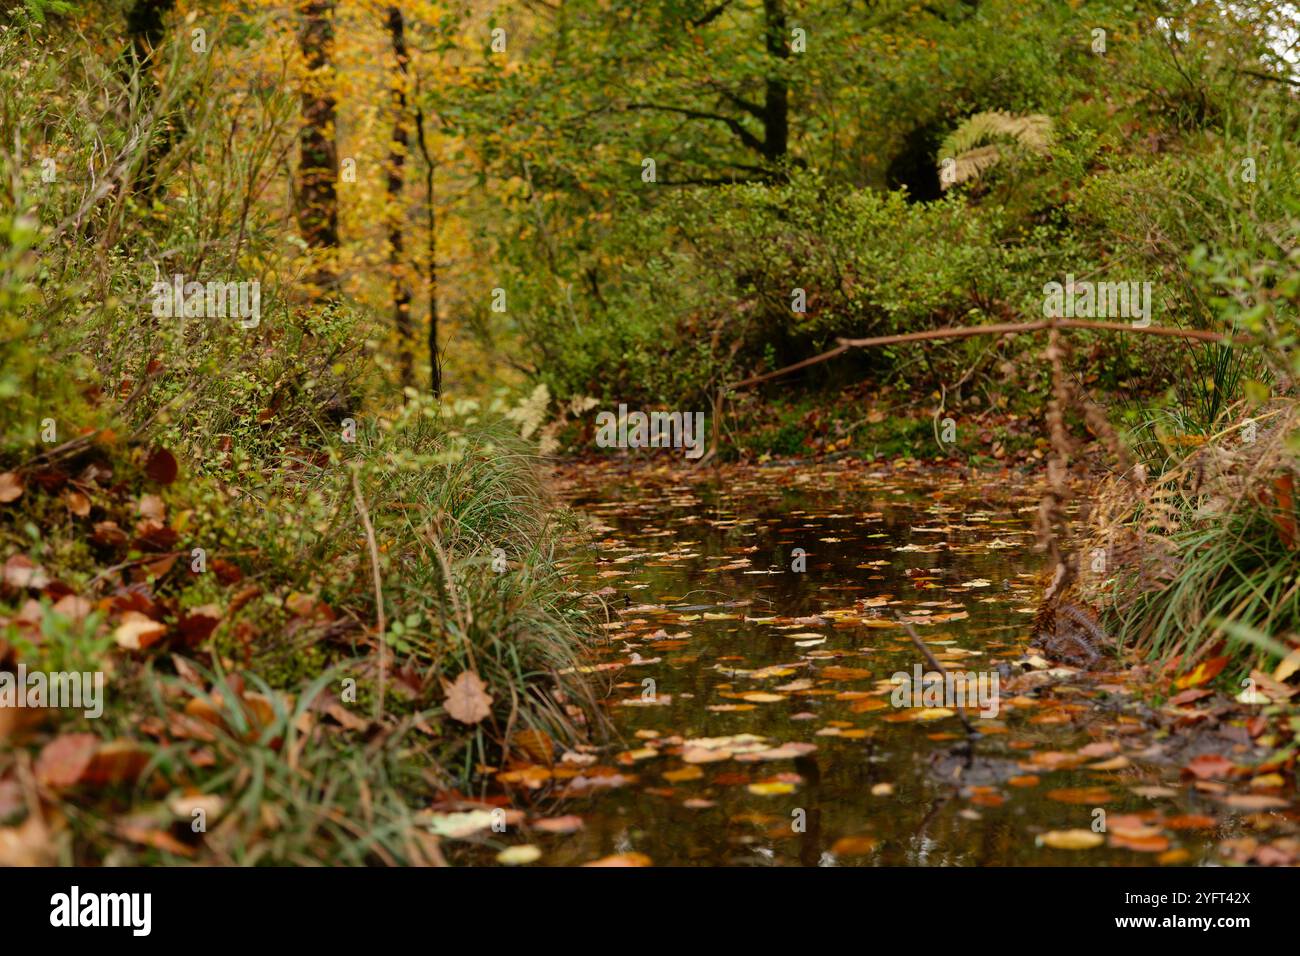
(711,15)
(1006,328)
(746,137)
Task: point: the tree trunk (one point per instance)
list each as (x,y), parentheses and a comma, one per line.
(396,171)
(776,96)
(318,213)
(435,357)
(144,24)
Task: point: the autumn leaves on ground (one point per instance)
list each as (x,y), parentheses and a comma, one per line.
(309,554)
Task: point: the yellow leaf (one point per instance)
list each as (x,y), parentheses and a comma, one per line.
(1071,839)
(1290,664)
(517,855)
(771,788)
(681,776)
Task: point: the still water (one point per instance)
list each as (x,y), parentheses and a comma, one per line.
(753,720)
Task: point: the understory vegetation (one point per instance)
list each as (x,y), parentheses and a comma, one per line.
(315,603)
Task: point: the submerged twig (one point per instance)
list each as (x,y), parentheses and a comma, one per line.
(934,663)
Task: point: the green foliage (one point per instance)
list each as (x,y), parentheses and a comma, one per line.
(608,273)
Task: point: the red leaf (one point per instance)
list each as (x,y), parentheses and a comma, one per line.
(161,466)
(1284,493)
(195,627)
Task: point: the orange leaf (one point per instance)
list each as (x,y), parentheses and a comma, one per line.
(1202,673)
(622,859)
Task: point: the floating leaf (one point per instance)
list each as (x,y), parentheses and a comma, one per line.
(622,859)
(1076,839)
(854,845)
(770,788)
(519,855)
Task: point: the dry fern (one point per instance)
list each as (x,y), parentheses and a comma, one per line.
(981,142)
(1145,538)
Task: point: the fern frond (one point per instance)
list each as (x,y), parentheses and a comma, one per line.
(973,146)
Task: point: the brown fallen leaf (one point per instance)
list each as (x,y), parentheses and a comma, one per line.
(73,607)
(20,572)
(152,507)
(117,761)
(1288,666)
(537,744)
(78,503)
(683,775)
(137,631)
(1191,821)
(1190,696)
(1255,801)
(1080,795)
(1209,767)
(64,760)
(28,844)
(531,777)
(107,534)
(11,487)
(1115,763)
(467,698)
(158,839)
(198,624)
